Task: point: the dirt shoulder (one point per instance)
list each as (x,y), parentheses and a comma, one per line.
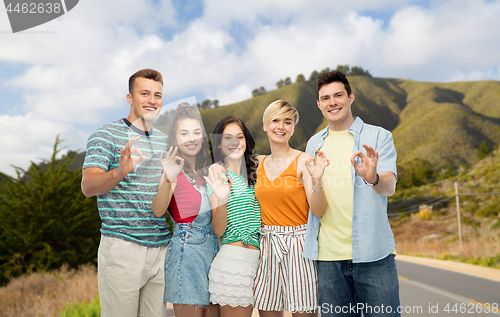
(489,273)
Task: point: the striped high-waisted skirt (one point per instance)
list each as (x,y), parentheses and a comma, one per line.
(285,281)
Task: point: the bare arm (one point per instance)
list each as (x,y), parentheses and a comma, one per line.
(96,181)
(219,215)
(163,197)
(221,186)
(172,166)
(312,177)
(367,169)
(386,185)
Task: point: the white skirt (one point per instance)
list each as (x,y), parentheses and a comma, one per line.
(231,276)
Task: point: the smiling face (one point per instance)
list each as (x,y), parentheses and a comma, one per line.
(145,100)
(233,143)
(335,105)
(280,130)
(189,137)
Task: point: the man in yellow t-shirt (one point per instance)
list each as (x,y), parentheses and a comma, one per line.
(352,241)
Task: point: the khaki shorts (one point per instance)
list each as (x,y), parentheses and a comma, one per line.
(131,278)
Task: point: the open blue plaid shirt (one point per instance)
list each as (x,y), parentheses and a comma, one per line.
(372,237)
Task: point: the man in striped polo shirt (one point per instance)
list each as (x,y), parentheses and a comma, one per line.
(122,168)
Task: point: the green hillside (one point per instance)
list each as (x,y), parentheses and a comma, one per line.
(443,123)
(446,123)
(301,95)
(482,177)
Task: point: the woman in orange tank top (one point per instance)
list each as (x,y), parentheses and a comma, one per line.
(289,183)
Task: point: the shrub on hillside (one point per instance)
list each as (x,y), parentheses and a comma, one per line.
(484,150)
(45,220)
(417,172)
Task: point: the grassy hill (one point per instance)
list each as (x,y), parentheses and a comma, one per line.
(482,177)
(443,123)
(433,232)
(446,123)
(301,95)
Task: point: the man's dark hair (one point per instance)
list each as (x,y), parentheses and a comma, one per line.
(145,73)
(330,77)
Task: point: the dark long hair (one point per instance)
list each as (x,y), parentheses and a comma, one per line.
(251,162)
(185,111)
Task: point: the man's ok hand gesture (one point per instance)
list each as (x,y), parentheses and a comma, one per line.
(367,168)
(127,162)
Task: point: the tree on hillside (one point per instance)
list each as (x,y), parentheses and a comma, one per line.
(300,78)
(325,70)
(205,104)
(288,81)
(359,71)
(258,91)
(280,83)
(314,76)
(344,69)
(208,104)
(45,220)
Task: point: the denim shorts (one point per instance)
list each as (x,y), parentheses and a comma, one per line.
(190,253)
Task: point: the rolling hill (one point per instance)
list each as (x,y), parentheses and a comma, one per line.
(443,123)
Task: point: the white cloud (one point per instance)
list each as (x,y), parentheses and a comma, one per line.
(78,65)
(474,75)
(28,138)
(225,97)
(458,34)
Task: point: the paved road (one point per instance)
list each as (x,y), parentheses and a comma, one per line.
(427,291)
(430,291)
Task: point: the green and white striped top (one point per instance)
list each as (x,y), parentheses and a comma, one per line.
(243,212)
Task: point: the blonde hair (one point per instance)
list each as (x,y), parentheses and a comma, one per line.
(280,109)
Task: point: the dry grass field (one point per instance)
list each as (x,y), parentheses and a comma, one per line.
(44,295)
(438,238)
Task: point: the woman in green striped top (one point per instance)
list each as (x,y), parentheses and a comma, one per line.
(236,217)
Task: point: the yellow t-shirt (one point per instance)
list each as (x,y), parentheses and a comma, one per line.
(335,233)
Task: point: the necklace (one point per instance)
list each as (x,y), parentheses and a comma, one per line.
(191,180)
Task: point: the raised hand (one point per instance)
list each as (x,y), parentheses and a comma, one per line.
(219,170)
(367,168)
(127,162)
(316,166)
(220,183)
(172,165)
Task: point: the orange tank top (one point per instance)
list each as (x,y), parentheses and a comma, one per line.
(283,201)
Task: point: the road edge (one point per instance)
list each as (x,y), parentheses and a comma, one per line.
(475,270)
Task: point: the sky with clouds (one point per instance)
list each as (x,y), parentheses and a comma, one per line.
(69,76)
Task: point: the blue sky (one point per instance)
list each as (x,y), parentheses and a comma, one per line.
(69,76)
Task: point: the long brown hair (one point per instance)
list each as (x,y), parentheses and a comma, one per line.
(185,111)
(251,162)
